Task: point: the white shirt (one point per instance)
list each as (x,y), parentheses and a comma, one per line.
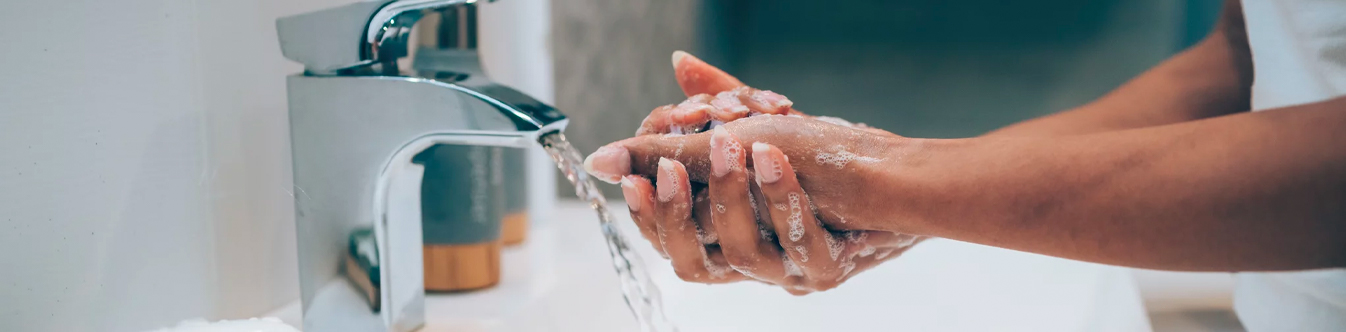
(1299,56)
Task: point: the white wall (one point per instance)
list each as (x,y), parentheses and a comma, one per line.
(144,160)
(514,41)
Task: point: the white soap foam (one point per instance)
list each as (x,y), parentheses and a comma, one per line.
(752,201)
(834,247)
(840,158)
(846,267)
(856,236)
(733,151)
(773,166)
(268,324)
(747,272)
(663,243)
(885,254)
(791,269)
(767,234)
(907,241)
(796,219)
(803,254)
(868,250)
(706,237)
(716,271)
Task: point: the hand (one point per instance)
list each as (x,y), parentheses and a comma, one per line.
(703,254)
(714,97)
(719,228)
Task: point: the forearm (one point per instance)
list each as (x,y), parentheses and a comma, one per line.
(1253,191)
(1209,79)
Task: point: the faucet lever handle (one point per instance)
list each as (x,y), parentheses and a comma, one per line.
(353,35)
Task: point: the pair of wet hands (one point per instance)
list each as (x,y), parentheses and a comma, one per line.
(726,204)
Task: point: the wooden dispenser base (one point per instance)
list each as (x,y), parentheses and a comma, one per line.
(459,267)
(514,228)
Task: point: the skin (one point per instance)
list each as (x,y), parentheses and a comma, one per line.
(1169,171)
(733,235)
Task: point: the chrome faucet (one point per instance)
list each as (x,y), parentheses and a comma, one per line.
(356,121)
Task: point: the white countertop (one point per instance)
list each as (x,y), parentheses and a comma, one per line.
(560,280)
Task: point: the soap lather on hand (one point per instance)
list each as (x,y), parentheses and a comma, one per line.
(743,207)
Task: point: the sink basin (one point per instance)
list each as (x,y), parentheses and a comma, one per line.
(560,280)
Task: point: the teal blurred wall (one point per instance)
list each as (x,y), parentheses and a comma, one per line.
(946,68)
(920,68)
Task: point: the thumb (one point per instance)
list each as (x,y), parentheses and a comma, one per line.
(697,77)
(640,155)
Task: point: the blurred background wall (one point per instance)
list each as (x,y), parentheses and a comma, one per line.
(919,68)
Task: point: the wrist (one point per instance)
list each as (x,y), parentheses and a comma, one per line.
(894,186)
(927,187)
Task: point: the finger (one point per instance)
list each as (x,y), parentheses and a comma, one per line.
(765,102)
(718,266)
(728,106)
(741,239)
(641,154)
(814,248)
(639,195)
(697,77)
(677,231)
(688,117)
(706,232)
(793,281)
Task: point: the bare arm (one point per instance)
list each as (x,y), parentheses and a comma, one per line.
(1211,78)
(1167,172)
(1251,191)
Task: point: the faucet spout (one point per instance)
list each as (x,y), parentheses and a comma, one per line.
(356,121)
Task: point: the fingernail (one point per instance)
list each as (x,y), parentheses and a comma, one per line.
(768,169)
(677,57)
(609,163)
(724,152)
(632,195)
(667,180)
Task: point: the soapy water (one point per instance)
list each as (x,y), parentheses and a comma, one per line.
(641,295)
(796,219)
(791,269)
(840,158)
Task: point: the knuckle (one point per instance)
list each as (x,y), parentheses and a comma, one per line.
(823,284)
(687,274)
(797,290)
